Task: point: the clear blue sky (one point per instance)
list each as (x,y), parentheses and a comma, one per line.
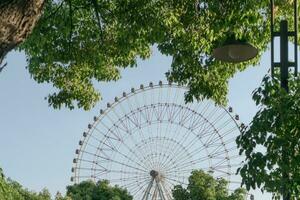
(37,142)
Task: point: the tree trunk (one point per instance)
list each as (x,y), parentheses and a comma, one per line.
(17,19)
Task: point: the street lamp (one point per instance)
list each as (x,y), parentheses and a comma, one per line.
(239,52)
(235,51)
(232,50)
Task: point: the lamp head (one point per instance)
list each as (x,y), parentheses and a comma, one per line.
(235,51)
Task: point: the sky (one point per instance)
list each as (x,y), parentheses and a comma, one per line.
(38,143)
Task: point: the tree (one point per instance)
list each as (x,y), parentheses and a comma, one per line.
(12,190)
(59,196)
(77,42)
(17,19)
(88,190)
(271,142)
(203,186)
(7,192)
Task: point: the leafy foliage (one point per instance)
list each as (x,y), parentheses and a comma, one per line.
(203,186)
(271,143)
(77,42)
(11,190)
(88,190)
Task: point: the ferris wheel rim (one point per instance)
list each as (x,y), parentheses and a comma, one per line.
(124,97)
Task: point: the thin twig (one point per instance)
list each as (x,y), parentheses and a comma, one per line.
(2,67)
(96,6)
(71,25)
(55,11)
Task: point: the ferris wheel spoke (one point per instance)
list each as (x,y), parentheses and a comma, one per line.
(113,161)
(173,153)
(95,155)
(106,134)
(181,156)
(198,122)
(178,176)
(172,149)
(137,191)
(227,166)
(138,163)
(190,162)
(219,117)
(225,124)
(124,172)
(212,113)
(213,137)
(191,144)
(176,181)
(92,162)
(185,160)
(222,171)
(100,142)
(142,151)
(177,147)
(129,179)
(125,181)
(140,183)
(128,165)
(107,157)
(174,161)
(109,129)
(201,159)
(182,171)
(204,109)
(141,159)
(220,148)
(222,161)
(148,146)
(133,153)
(212,169)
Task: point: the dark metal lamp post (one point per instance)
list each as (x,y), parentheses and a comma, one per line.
(284,35)
(284,64)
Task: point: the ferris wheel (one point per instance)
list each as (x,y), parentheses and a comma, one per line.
(149,140)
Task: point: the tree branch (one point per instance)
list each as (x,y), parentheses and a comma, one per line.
(17,20)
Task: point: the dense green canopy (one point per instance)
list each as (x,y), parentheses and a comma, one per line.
(11,190)
(77,42)
(271,143)
(203,186)
(88,190)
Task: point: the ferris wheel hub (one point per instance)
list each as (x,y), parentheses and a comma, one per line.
(154,173)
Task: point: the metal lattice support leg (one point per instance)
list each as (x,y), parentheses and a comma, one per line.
(147,192)
(160,190)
